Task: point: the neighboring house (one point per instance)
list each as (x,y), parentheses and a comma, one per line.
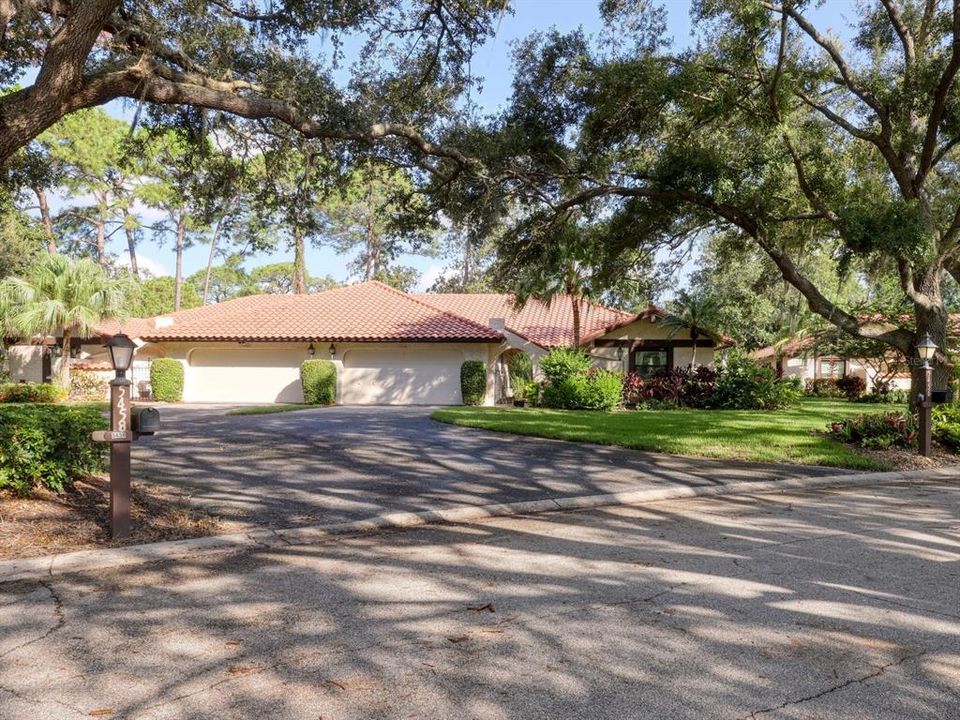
(389,347)
(801,358)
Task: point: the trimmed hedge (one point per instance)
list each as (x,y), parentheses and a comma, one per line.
(473,381)
(48,446)
(31,393)
(166,379)
(319,381)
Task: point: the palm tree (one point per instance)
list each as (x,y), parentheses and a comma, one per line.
(61,297)
(695,312)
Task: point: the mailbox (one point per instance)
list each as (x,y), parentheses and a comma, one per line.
(145,421)
(938,397)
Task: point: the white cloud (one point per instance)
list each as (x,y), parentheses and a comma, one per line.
(428,278)
(147,265)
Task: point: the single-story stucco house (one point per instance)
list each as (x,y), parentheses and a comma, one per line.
(801,358)
(389,347)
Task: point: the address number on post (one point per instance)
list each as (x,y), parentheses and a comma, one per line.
(112,436)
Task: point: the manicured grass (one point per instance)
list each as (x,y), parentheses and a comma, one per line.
(270,409)
(793,435)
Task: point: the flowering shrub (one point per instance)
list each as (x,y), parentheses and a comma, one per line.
(880,430)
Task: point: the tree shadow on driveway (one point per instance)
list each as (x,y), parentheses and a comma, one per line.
(827,605)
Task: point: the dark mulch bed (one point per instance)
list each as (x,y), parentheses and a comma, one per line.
(47,523)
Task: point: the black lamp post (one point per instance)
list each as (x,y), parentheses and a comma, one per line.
(120,348)
(926,349)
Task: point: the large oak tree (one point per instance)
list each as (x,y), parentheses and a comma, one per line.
(771,129)
(273,61)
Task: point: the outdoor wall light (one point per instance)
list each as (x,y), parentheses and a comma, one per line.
(926,349)
(619,352)
(311,351)
(333,350)
(120,348)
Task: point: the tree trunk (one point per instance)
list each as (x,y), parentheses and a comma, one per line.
(131,232)
(932,321)
(178,276)
(373,249)
(467,258)
(575,304)
(101,242)
(46,218)
(299,269)
(62,373)
(693,353)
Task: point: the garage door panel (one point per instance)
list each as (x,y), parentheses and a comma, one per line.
(401,376)
(244,375)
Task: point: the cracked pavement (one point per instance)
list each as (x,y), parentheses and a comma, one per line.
(821,604)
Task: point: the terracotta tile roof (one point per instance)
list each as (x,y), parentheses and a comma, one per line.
(365,312)
(542,324)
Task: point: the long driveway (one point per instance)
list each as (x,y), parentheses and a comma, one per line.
(802,606)
(344,463)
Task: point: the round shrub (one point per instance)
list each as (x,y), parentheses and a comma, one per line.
(565,394)
(49,446)
(473,381)
(31,393)
(852,386)
(166,379)
(319,381)
(603,390)
(562,363)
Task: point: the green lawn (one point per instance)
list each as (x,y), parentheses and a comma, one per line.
(779,436)
(269,409)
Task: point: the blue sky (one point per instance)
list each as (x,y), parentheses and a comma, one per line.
(492,62)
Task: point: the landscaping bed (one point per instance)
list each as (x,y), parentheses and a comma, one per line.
(46,523)
(795,435)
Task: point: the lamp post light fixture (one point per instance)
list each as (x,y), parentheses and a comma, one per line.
(120,349)
(926,350)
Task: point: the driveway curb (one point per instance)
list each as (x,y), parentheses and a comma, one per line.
(45,567)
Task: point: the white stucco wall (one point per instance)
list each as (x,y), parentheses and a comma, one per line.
(24,363)
(367,373)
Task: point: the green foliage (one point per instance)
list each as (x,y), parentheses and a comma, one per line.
(166,379)
(603,391)
(20,241)
(822,387)
(156,297)
(879,431)
(744,385)
(562,363)
(48,446)
(946,425)
(521,366)
(88,386)
(473,381)
(573,385)
(31,393)
(565,394)
(319,381)
(60,296)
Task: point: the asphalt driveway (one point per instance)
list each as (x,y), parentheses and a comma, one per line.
(829,606)
(344,463)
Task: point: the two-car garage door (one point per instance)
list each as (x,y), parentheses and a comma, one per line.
(385,374)
(401,376)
